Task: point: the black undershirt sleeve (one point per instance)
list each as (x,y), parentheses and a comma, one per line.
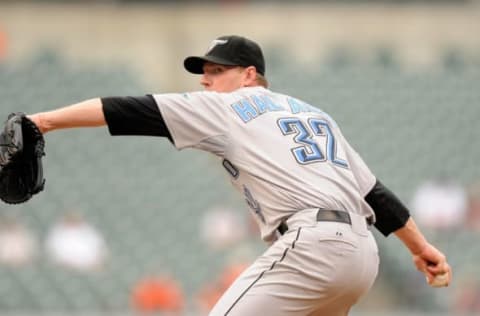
(390,213)
(134,116)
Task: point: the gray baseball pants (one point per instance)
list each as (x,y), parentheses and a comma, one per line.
(315,268)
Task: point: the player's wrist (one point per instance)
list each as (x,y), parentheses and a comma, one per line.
(419,247)
(39,122)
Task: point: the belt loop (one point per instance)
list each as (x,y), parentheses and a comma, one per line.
(359,224)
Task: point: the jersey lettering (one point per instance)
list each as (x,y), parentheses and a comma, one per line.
(264,104)
(245,110)
(248,109)
(297,106)
(304,134)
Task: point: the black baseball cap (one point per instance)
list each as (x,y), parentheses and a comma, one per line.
(230,50)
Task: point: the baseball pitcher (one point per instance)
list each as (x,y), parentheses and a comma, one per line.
(313,197)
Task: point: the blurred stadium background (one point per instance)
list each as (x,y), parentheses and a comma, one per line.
(401,77)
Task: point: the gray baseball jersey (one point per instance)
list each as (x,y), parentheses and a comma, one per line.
(282,154)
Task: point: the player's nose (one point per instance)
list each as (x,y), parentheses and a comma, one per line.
(204,81)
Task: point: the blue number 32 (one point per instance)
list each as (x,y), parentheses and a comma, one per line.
(310,150)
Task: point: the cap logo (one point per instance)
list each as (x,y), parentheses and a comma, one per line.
(215,43)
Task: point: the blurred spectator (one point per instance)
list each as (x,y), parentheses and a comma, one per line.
(212,291)
(222,228)
(17,244)
(74,243)
(439,204)
(158,294)
(472,221)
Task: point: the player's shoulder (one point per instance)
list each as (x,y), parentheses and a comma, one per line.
(243,92)
(232,96)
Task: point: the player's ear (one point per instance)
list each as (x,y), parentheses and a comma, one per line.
(250,76)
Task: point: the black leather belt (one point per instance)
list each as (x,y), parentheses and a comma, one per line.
(324,216)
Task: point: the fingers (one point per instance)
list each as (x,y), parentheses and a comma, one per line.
(420,264)
(432,259)
(439,275)
(434,265)
(444,269)
(438,268)
(440,280)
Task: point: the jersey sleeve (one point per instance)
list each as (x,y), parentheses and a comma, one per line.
(196,120)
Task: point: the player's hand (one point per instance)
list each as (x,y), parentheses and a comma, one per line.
(433,263)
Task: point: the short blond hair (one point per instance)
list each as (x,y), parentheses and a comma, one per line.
(261,80)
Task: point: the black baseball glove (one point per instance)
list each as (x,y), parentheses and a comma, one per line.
(21,151)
